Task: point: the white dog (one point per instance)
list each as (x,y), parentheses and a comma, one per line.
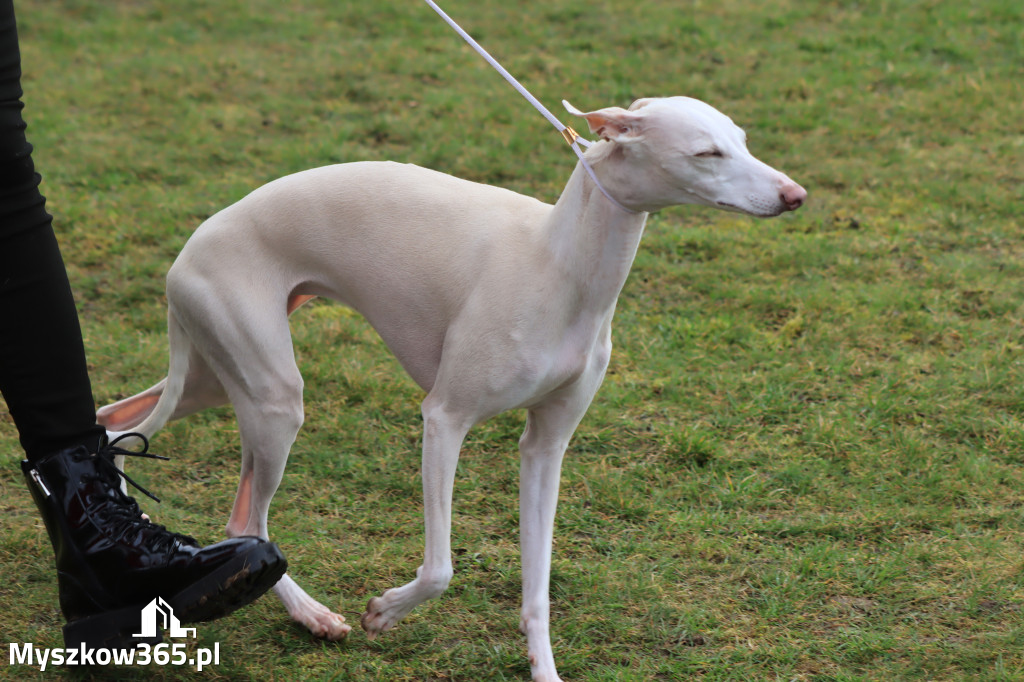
(489,299)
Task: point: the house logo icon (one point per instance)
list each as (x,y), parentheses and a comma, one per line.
(158,615)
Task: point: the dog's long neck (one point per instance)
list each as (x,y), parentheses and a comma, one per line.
(593,241)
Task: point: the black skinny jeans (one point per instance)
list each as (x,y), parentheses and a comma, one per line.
(43,374)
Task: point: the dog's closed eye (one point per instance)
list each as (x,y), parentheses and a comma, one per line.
(710,153)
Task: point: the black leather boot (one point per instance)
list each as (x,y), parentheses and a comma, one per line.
(111,562)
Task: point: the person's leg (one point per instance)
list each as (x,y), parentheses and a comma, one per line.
(43,374)
(111,562)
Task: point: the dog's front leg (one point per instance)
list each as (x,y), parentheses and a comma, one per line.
(542,448)
(443,433)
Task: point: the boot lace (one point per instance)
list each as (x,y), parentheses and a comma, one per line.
(107,453)
(126,518)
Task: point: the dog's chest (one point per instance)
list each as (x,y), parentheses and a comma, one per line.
(572,356)
(567,357)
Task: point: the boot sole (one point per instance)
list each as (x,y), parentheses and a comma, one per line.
(236,584)
(108,630)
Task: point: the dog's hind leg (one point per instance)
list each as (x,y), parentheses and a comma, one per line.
(202,390)
(443,433)
(250,351)
(249,517)
(268,427)
(304,609)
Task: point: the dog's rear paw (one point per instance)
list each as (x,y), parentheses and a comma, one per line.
(317,618)
(327,625)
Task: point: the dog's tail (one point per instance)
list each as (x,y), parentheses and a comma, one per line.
(156,406)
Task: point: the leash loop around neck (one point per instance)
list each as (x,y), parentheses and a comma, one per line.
(571,136)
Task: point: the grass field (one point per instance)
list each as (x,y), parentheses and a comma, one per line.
(806,460)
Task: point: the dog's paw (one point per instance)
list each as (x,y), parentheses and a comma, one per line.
(308,612)
(327,625)
(374,621)
(384,612)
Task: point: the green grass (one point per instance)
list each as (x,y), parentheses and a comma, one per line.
(805,462)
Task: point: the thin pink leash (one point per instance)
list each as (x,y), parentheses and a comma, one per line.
(571,136)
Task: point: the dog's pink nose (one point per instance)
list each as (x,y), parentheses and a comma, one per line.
(793,196)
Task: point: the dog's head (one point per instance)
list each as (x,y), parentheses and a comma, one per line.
(679,150)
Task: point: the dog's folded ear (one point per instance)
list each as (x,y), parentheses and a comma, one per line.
(614,124)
